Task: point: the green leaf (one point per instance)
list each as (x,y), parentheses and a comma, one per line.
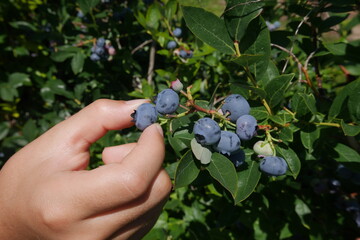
(186,171)
(259,113)
(170,9)
(301,210)
(247,181)
(247,60)
(281,117)
(30,130)
(290,157)
(61,56)
(286,134)
(348,156)
(276,89)
(337,105)
(238,14)
(350,130)
(223,170)
(257,42)
(271,72)
(19,79)
(153,16)
(353,103)
(87,5)
(4,129)
(203,154)
(209,28)
(308,138)
(77,63)
(23,25)
(303,103)
(7,92)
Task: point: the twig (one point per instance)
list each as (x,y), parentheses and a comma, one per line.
(296,33)
(141,46)
(308,80)
(151,63)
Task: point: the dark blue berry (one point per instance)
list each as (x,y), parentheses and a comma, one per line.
(246,127)
(229,142)
(274,166)
(94,57)
(171,45)
(144,115)
(100,42)
(177,32)
(238,158)
(167,101)
(236,106)
(207,131)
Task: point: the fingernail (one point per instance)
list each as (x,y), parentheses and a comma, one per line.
(159,129)
(136,102)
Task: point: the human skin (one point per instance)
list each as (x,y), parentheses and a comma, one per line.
(47,193)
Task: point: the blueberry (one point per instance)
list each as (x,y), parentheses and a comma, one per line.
(238,158)
(183,53)
(236,105)
(100,42)
(246,127)
(177,32)
(343,172)
(99,51)
(207,131)
(167,101)
(171,45)
(94,57)
(274,166)
(80,14)
(144,115)
(229,142)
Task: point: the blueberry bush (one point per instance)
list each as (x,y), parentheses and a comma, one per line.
(259,102)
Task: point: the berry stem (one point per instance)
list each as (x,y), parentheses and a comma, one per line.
(237,49)
(327,124)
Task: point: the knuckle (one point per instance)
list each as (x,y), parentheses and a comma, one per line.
(134,183)
(101,106)
(55,218)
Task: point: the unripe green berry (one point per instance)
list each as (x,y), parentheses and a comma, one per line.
(263,148)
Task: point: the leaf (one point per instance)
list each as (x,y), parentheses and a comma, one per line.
(186,171)
(286,134)
(353,103)
(87,5)
(302,103)
(276,89)
(223,170)
(4,129)
(209,28)
(301,210)
(201,153)
(19,79)
(338,102)
(153,16)
(308,138)
(259,113)
(271,72)
(247,181)
(257,42)
(23,25)
(238,14)
(291,158)
(350,130)
(281,117)
(247,60)
(77,63)
(348,156)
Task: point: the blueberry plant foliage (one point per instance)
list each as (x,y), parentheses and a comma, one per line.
(295,63)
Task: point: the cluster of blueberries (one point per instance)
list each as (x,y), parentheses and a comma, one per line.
(102,50)
(172,45)
(207,131)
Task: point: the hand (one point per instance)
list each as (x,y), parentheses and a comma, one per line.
(46,193)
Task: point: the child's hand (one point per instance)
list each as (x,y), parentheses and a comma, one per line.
(46,193)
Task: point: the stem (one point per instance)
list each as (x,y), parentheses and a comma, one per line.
(237,49)
(327,124)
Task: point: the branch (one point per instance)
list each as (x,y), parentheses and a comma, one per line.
(151,63)
(141,46)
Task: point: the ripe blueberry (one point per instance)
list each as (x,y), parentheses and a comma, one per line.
(274,166)
(100,42)
(238,158)
(144,115)
(229,143)
(177,32)
(246,127)
(236,105)
(171,45)
(94,57)
(207,131)
(167,101)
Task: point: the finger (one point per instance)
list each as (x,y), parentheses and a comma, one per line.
(138,216)
(112,185)
(115,154)
(92,122)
